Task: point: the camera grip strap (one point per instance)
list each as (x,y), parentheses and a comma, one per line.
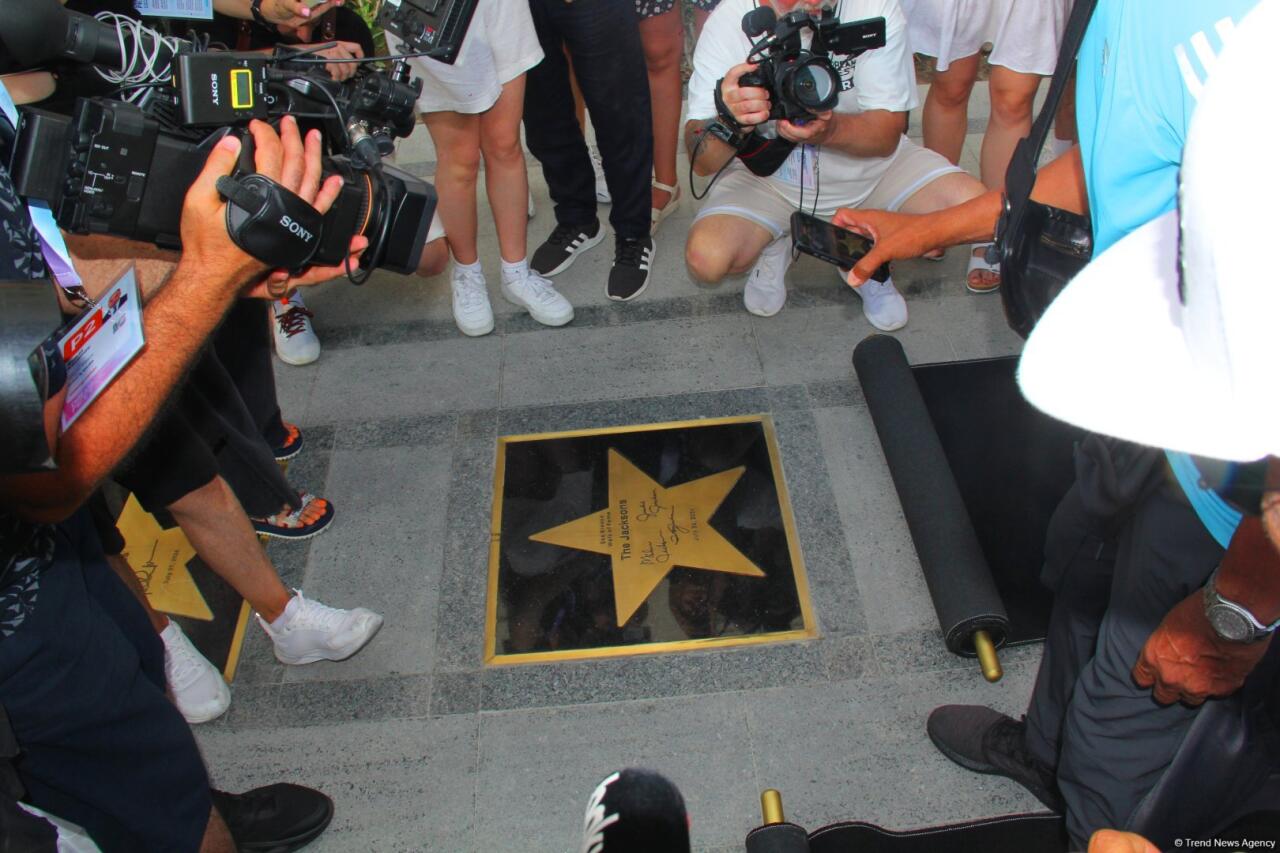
(764,156)
(269,222)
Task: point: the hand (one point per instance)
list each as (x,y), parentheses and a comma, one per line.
(342,50)
(296,166)
(750,104)
(896,236)
(1184,660)
(1114,841)
(294,13)
(816,130)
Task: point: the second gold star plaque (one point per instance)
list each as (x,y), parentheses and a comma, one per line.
(634,540)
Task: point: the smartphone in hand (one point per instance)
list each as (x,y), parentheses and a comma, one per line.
(832,244)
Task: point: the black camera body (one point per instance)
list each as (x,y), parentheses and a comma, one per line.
(429,26)
(803,82)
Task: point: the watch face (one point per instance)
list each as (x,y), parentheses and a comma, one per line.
(1229,625)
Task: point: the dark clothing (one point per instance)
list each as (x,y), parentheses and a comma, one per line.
(236,34)
(216,427)
(83,682)
(603,39)
(1123,548)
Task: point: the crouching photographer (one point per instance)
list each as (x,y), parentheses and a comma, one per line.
(81,669)
(806,111)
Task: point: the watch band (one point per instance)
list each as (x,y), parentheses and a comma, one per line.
(255,9)
(1214,599)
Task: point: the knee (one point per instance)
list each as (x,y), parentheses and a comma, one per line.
(461,164)
(502,150)
(1011,107)
(435,258)
(708,260)
(663,55)
(951,97)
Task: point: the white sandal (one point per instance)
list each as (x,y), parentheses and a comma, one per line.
(978,263)
(660,213)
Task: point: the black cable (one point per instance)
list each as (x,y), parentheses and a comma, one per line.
(693,157)
(332,100)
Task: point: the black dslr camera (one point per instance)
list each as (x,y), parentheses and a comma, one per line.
(803,82)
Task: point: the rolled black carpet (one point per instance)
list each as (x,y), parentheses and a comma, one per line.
(1027,833)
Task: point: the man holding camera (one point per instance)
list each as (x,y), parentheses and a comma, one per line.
(852,155)
(81,670)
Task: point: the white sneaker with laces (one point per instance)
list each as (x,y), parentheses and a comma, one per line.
(539,297)
(309,631)
(471,309)
(602,186)
(766,290)
(198,688)
(296,341)
(882,305)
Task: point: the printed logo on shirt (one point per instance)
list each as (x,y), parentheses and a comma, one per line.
(1204,54)
(845,69)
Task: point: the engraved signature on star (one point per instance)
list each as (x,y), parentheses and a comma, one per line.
(650,508)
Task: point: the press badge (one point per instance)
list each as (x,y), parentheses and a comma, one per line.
(201,10)
(100,345)
(798,169)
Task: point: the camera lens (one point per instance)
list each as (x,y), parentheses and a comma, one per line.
(812,84)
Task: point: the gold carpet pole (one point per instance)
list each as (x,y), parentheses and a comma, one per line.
(987,657)
(771,807)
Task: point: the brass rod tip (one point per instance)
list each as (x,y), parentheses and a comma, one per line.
(987,656)
(771,807)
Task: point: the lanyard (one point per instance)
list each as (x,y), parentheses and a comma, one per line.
(53,247)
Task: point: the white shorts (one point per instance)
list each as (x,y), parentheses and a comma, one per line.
(1025,34)
(501,44)
(739,192)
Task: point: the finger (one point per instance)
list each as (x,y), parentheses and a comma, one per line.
(867,267)
(268,152)
(221,161)
(293,165)
(354,48)
(736,72)
(328,193)
(1195,700)
(753,105)
(751,93)
(312,167)
(1143,674)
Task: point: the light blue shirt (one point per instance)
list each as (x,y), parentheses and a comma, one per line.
(1140,69)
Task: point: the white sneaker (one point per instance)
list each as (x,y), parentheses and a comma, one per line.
(766,290)
(198,688)
(471,309)
(602,186)
(537,295)
(309,631)
(882,305)
(296,341)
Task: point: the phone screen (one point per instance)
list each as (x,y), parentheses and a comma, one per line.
(826,241)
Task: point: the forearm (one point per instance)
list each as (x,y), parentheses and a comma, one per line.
(233,8)
(176,323)
(876,133)
(1250,572)
(707,153)
(101,260)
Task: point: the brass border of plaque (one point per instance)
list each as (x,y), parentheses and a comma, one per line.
(809,631)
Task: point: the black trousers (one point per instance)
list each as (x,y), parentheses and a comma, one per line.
(1123,548)
(603,39)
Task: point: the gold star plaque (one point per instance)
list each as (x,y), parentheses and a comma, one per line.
(642,539)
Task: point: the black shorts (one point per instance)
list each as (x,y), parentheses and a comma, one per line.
(649,8)
(83,682)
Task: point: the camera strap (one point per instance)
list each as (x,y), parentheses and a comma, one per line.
(269,222)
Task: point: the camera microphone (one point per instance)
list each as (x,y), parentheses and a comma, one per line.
(759,21)
(636,811)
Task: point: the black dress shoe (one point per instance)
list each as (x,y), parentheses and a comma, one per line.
(986,741)
(275,819)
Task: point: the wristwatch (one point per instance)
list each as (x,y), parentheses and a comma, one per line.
(255,9)
(1231,621)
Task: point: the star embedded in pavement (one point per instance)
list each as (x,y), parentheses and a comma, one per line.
(649,529)
(159,558)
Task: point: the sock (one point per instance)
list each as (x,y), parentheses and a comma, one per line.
(459,268)
(283,619)
(515,270)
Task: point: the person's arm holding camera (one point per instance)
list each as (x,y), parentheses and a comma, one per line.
(749,107)
(293,13)
(211,272)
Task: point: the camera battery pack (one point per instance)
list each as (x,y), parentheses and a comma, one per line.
(218,89)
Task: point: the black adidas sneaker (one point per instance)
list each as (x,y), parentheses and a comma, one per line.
(563,247)
(632,261)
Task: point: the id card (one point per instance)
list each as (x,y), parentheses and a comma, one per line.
(200,10)
(798,168)
(100,344)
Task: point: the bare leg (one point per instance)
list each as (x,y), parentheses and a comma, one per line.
(121,567)
(506,177)
(217,838)
(435,258)
(220,532)
(948,191)
(457,140)
(663,39)
(1012,95)
(723,245)
(946,108)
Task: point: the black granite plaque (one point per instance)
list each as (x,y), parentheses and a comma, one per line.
(642,539)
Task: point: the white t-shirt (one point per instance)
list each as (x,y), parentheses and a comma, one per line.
(881,79)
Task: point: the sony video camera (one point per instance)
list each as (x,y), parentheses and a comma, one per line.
(803,82)
(114,167)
